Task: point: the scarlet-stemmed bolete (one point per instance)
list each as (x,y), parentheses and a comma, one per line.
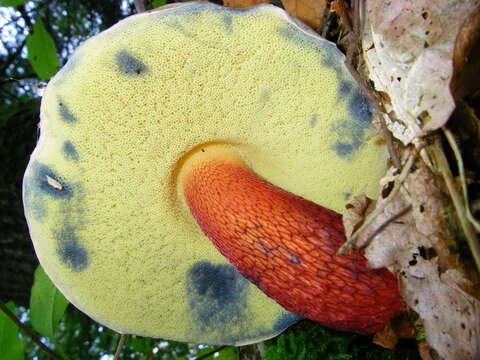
(190,174)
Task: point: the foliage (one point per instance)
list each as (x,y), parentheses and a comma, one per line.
(10,342)
(12,2)
(228,353)
(75,336)
(311,341)
(41,51)
(79,337)
(47,304)
(41,26)
(50,31)
(157,3)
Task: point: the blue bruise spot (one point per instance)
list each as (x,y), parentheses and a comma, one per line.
(40,182)
(67,68)
(69,151)
(344,88)
(69,250)
(36,186)
(292,33)
(360,109)
(195,11)
(285,320)
(265,95)
(347,195)
(179,27)
(217,296)
(352,131)
(227,22)
(33,203)
(130,64)
(329,54)
(344,149)
(313,120)
(65,113)
(352,136)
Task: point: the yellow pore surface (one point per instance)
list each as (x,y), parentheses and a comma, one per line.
(100,191)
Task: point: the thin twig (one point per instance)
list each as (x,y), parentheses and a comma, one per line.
(23,11)
(204,356)
(119,346)
(461,170)
(467,228)
(379,209)
(353,47)
(382,226)
(29,333)
(392,151)
(140,6)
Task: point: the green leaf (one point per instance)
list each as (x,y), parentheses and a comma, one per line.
(229,353)
(41,51)
(420,336)
(59,349)
(47,304)
(157,3)
(10,343)
(12,2)
(205,351)
(138,344)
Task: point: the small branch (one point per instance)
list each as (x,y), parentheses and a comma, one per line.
(13,56)
(467,228)
(379,209)
(17,78)
(204,356)
(382,226)
(29,333)
(119,346)
(140,6)
(23,11)
(461,170)
(392,151)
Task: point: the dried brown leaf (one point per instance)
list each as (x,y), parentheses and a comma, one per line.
(403,327)
(357,209)
(426,352)
(242,4)
(342,10)
(466,59)
(309,11)
(386,338)
(418,247)
(408,49)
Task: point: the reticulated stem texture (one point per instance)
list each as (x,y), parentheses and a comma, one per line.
(287,246)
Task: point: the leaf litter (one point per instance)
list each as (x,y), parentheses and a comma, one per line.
(420,57)
(422,216)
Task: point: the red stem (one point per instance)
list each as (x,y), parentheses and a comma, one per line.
(287,246)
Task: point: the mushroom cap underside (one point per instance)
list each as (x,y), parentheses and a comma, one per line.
(100,191)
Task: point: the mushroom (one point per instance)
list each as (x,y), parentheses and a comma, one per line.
(160,196)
